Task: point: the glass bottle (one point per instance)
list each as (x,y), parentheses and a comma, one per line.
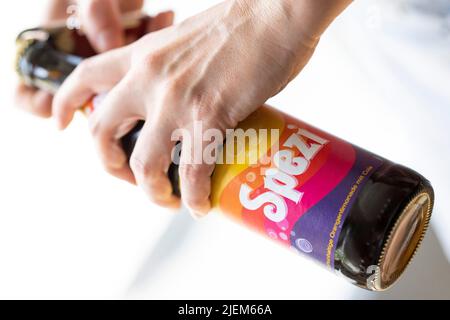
(355,212)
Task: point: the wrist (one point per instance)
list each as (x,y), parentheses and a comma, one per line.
(292,21)
(307,18)
(314,16)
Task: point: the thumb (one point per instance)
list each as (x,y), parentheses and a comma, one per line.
(101,20)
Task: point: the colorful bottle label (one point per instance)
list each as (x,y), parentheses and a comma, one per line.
(300,190)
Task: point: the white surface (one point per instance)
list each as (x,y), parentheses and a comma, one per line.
(67,230)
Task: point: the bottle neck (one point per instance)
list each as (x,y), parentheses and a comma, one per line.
(46,68)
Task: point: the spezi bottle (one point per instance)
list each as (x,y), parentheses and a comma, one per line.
(355,212)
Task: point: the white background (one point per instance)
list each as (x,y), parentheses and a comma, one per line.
(68,230)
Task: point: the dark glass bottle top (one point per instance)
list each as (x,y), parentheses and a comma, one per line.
(384,227)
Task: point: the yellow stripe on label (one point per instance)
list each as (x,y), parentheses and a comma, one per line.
(264,118)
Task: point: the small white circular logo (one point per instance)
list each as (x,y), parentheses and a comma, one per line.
(304,245)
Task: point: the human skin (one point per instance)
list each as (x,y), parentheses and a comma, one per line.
(216,67)
(101,23)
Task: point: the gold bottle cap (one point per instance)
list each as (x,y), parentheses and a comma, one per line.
(403,241)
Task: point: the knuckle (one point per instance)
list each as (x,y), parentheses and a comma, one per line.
(176,85)
(154,194)
(108,164)
(109,169)
(174,91)
(101,132)
(142,168)
(190,173)
(157,191)
(206,105)
(153,61)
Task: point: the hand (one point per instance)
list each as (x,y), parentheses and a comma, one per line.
(217,67)
(101,22)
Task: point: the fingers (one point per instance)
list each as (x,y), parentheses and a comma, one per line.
(93,76)
(101,20)
(104,124)
(195,179)
(107,128)
(151,158)
(161,21)
(150,163)
(131,5)
(35,101)
(124,174)
(56,10)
